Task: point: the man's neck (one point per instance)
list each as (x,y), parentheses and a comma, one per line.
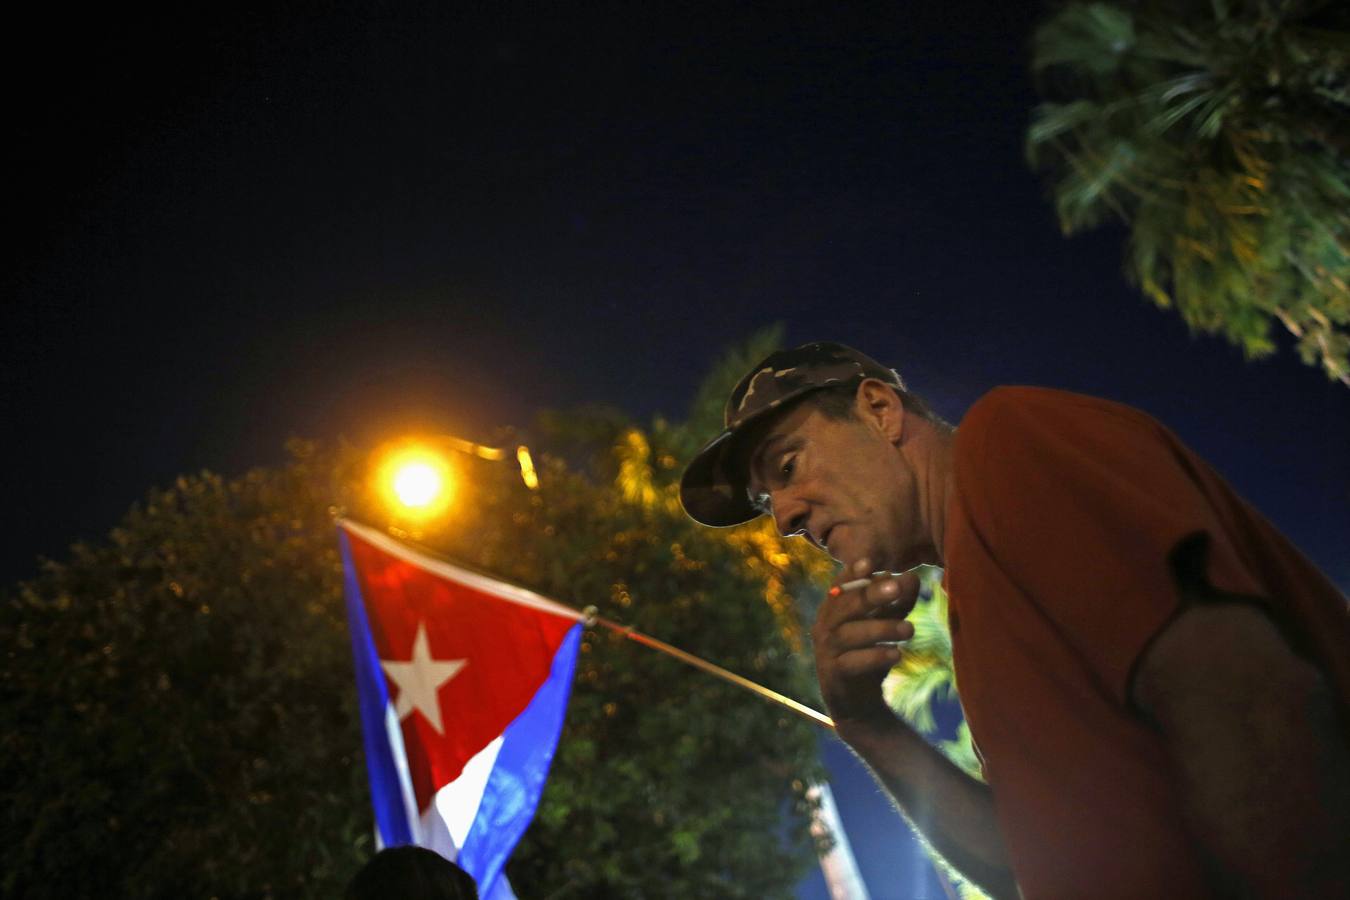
(930,456)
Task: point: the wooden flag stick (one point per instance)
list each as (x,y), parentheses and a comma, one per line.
(632,634)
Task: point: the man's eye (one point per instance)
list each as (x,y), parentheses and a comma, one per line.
(788,467)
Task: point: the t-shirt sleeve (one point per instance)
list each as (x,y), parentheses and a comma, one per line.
(1082,503)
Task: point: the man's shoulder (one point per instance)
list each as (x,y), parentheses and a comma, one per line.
(1016,428)
(1024,406)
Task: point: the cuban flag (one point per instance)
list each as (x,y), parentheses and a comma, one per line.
(463,683)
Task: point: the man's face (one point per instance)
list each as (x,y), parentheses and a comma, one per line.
(841,483)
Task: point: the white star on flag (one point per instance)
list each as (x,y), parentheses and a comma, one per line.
(420,679)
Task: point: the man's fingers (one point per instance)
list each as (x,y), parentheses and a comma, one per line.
(868,661)
(844,585)
(855,637)
(868,633)
(896,609)
(895,593)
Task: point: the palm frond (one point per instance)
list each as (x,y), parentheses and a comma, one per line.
(1220,134)
(1089,36)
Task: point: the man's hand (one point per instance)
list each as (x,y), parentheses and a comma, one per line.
(855,638)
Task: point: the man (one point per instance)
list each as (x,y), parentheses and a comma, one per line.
(1158,682)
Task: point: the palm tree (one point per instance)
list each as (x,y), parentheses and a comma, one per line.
(1219,132)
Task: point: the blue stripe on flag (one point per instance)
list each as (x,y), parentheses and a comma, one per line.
(517,779)
(386,792)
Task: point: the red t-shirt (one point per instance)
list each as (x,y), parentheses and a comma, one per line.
(1065,513)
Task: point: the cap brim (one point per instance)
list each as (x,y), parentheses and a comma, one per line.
(713,489)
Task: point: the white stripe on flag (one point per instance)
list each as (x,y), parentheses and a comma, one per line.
(394,734)
(459,800)
(499,589)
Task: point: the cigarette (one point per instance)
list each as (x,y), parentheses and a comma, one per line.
(849,586)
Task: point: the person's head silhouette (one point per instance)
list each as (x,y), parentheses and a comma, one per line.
(410,872)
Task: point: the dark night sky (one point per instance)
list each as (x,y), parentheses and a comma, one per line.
(345,223)
(324,223)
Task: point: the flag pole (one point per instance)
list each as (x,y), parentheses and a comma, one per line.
(697,662)
(590,617)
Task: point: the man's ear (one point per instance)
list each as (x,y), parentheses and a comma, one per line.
(877,404)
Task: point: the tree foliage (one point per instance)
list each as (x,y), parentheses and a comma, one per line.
(180,702)
(1219,130)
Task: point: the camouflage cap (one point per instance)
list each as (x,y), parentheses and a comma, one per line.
(714,487)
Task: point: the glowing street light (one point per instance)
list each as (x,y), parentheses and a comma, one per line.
(415,480)
(418,484)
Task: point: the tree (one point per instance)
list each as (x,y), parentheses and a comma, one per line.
(180,703)
(1219,131)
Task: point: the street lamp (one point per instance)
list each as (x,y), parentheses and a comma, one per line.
(418,484)
(416,479)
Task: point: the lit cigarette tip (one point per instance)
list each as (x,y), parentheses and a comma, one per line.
(849,586)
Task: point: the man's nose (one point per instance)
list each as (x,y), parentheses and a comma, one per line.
(789,515)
